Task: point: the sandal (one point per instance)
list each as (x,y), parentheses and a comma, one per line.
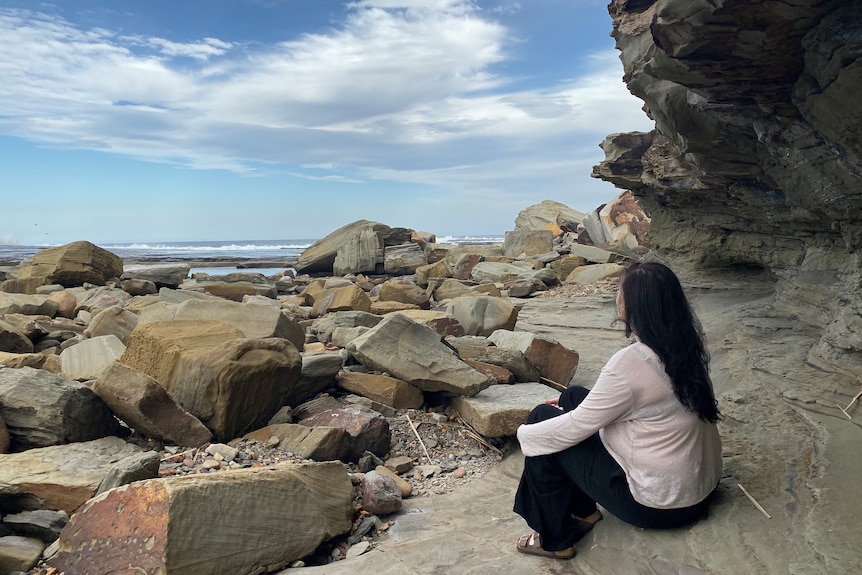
(531,545)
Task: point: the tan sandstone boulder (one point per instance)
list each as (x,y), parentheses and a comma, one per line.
(145,406)
(500,409)
(72,265)
(354,248)
(255,321)
(42,409)
(156,348)
(382,388)
(554,361)
(482,315)
(113,320)
(415,353)
(232,384)
(246,521)
(59,477)
(236,386)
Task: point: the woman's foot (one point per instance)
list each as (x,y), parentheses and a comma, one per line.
(584,525)
(593,518)
(532,545)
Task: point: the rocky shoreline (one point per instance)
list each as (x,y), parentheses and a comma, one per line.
(124,383)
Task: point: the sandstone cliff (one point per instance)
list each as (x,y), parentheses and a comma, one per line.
(756,158)
(753,180)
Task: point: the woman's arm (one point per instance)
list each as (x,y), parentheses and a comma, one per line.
(610,400)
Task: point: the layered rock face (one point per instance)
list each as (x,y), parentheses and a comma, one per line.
(756,159)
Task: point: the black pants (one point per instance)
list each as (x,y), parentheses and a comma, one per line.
(557,488)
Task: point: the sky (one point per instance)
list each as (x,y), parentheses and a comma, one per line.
(157,120)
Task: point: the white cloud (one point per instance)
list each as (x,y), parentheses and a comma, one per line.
(404,91)
(201,50)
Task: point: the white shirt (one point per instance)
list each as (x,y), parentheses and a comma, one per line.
(671,458)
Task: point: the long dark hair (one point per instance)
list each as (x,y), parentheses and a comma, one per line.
(658,313)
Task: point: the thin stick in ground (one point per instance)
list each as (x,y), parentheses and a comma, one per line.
(756,504)
(416,432)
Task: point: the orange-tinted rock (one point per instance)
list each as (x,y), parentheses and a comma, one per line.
(246,521)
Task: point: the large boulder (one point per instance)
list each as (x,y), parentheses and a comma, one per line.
(113,320)
(27,304)
(358,247)
(72,265)
(415,353)
(499,272)
(59,477)
(234,287)
(348,298)
(236,386)
(318,373)
(403,259)
(166,275)
(519,243)
(266,518)
(232,384)
(403,291)
(367,430)
(554,361)
(537,217)
(323,327)
(383,389)
(13,340)
(254,321)
(317,443)
(156,348)
(145,406)
(87,359)
(42,409)
(621,224)
(482,315)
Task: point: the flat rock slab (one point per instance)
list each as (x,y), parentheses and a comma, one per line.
(500,409)
(60,477)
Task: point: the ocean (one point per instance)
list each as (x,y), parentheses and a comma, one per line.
(247,252)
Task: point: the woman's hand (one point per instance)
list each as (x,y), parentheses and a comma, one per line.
(554,402)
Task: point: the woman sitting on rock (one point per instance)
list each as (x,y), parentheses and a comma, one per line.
(642,443)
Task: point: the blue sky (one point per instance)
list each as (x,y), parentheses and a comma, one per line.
(157,120)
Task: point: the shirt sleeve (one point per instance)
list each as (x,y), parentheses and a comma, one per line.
(610,400)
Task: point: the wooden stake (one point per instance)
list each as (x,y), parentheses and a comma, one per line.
(554,384)
(471,431)
(756,504)
(849,405)
(175,455)
(422,443)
